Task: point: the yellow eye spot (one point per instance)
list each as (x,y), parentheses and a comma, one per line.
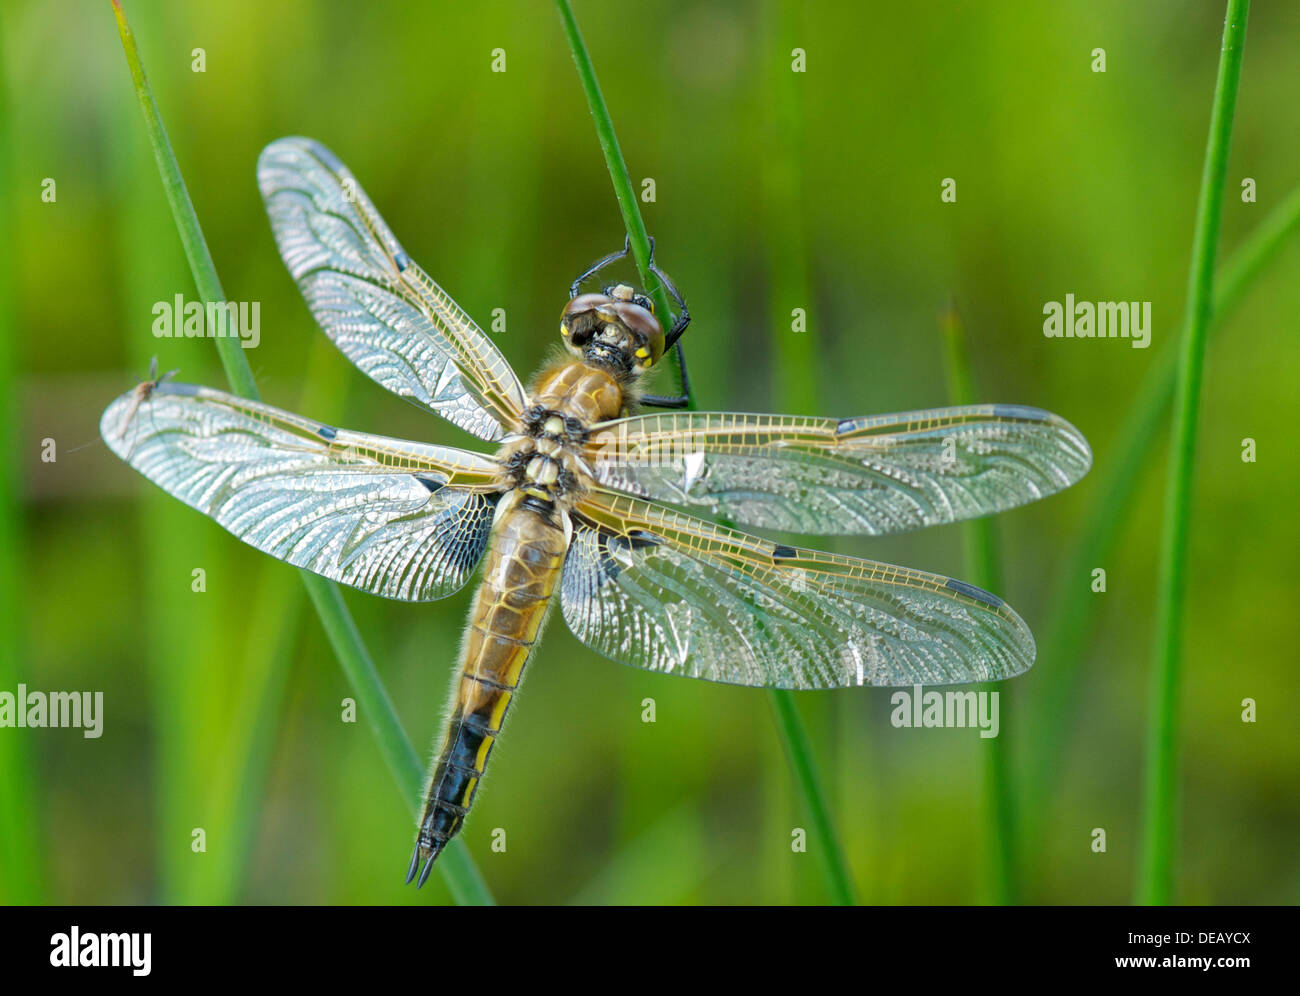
(564,329)
(643,352)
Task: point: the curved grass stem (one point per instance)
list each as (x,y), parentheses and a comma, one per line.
(456,866)
(1159,814)
(624,192)
(794,736)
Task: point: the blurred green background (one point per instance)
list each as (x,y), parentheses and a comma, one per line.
(774,190)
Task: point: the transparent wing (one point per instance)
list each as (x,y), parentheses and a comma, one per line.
(870,475)
(658,589)
(384,312)
(391,517)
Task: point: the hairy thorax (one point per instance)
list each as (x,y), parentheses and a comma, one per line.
(542,461)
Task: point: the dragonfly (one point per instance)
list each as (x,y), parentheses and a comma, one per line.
(590,499)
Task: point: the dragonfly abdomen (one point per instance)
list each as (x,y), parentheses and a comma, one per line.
(520,573)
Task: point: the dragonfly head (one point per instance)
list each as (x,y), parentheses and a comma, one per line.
(616,329)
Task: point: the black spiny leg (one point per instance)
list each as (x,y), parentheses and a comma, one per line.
(682,400)
(600,264)
(673,339)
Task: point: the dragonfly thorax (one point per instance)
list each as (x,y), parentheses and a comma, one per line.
(542,467)
(542,461)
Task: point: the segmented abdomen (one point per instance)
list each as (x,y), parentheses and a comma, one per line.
(520,573)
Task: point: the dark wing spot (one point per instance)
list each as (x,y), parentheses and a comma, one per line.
(433,484)
(614,551)
(402,261)
(846,425)
(784,553)
(638,539)
(327,432)
(331,161)
(979,594)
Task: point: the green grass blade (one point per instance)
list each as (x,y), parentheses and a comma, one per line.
(1253,256)
(456,866)
(798,749)
(794,736)
(232,356)
(1159,817)
(188,714)
(20,867)
(624,192)
(461,875)
(1071,610)
(984,568)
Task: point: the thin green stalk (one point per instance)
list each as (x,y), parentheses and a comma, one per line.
(797,745)
(456,866)
(1249,260)
(187,715)
(21,867)
(984,567)
(624,192)
(1072,610)
(798,749)
(1156,871)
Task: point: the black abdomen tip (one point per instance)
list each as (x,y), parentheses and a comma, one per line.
(429,855)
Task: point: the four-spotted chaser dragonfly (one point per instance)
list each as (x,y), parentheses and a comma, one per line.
(570,503)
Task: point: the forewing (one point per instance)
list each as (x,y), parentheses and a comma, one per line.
(658,589)
(869,475)
(391,517)
(384,312)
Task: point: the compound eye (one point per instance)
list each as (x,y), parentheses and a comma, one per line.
(581,317)
(649,334)
(586,302)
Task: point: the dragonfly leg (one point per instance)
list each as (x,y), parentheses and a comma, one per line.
(599,265)
(682,400)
